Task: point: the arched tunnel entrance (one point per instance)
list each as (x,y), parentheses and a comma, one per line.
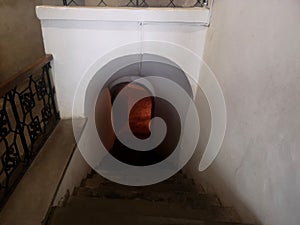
(187,73)
(141,114)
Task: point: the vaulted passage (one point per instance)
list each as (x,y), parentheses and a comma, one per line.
(139,113)
(140,116)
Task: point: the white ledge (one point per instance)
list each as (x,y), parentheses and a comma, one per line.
(161,15)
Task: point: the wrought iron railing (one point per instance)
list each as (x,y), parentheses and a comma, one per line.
(139,3)
(28,114)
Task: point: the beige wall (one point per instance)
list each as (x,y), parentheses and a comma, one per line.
(254,50)
(20,36)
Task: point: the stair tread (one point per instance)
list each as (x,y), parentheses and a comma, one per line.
(148,208)
(176,201)
(164,186)
(194,199)
(178,179)
(65,216)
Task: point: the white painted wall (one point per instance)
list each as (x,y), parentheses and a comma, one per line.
(82,40)
(254,50)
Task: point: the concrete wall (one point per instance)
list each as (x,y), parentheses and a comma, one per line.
(254,50)
(20,36)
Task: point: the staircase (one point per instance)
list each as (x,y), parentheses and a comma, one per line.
(175,201)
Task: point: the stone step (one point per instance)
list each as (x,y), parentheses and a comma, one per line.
(83,205)
(194,200)
(70,217)
(95,180)
(94,183)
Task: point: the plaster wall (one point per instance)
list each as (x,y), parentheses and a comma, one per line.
(83,40)
(254,50)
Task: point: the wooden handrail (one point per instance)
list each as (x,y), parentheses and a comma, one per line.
(16,79)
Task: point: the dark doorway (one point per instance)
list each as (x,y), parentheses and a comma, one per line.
(140,116)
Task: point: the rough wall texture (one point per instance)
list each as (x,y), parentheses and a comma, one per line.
(20,36)
(254,50)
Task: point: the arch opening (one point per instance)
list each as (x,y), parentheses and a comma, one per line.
(143,111)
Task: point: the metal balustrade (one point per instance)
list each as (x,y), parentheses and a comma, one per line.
(28,114)
(140,3)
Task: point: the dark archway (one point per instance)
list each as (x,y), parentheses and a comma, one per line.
(142,112)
